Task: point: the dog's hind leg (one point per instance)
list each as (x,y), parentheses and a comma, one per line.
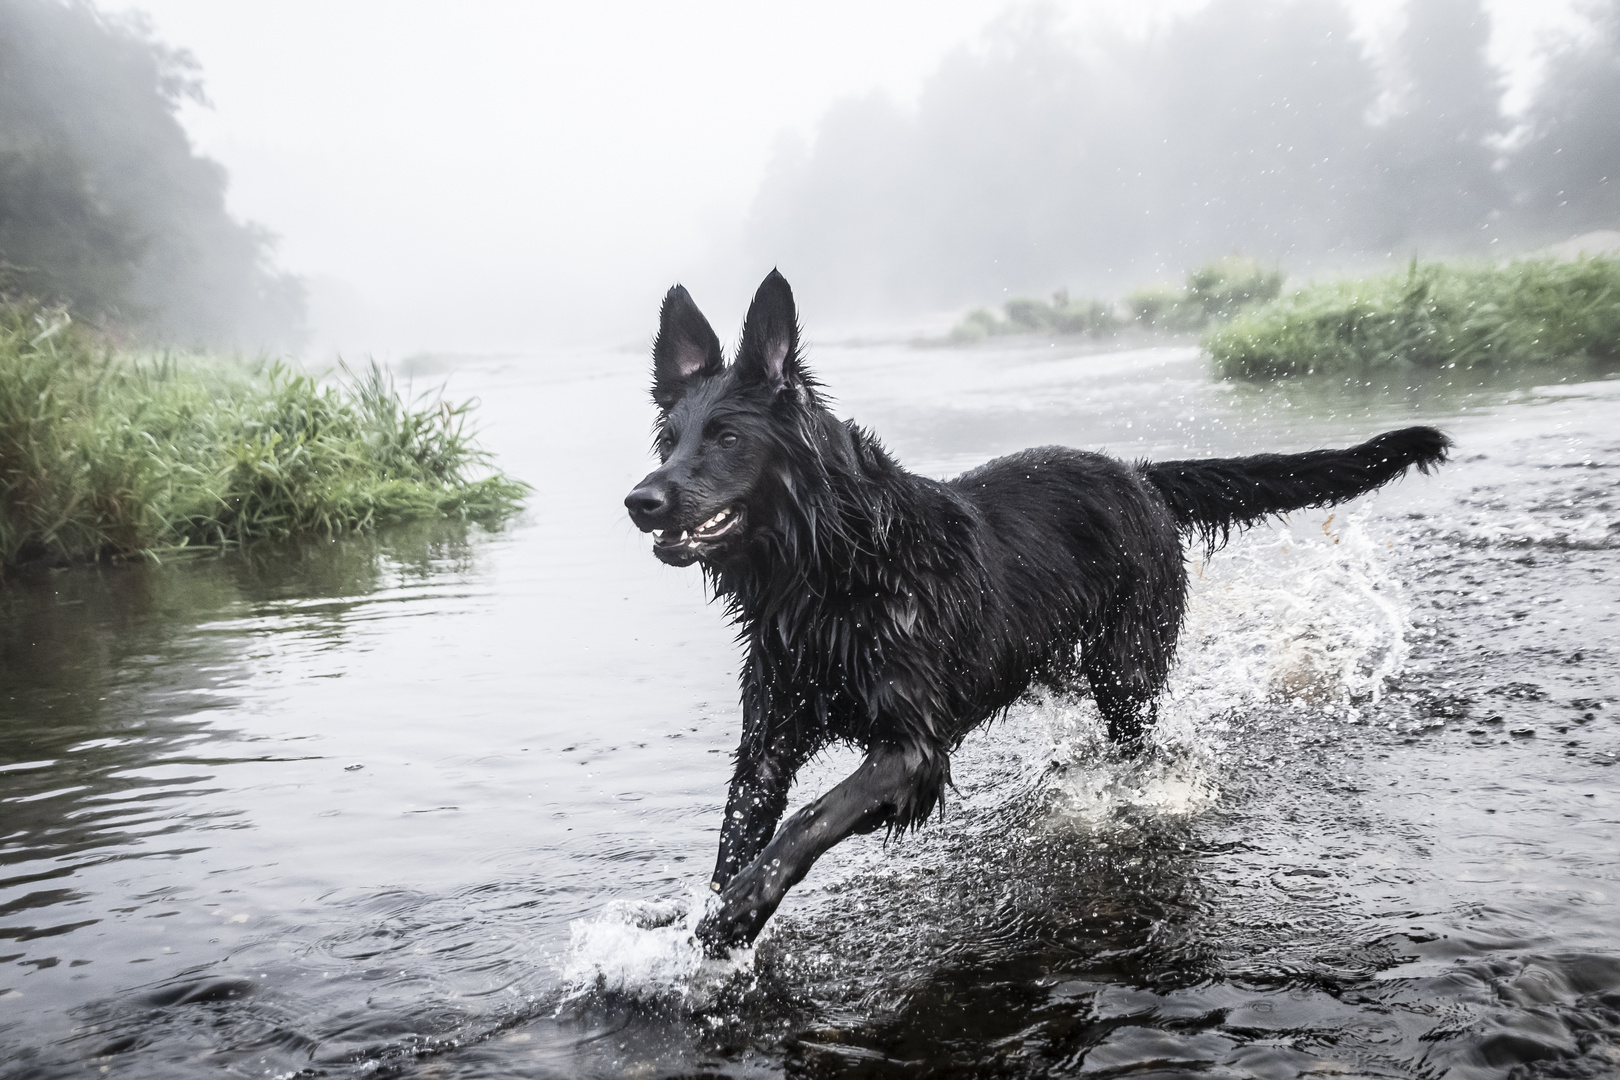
(1127,663)
(895,785)
(1128,708)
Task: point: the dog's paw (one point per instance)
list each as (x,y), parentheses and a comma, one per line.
(726,928)
(713,938)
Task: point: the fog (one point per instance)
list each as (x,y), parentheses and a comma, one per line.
(104,206)
(1048,156)
(494,176)
(504,176)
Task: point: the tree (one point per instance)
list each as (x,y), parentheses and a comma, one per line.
(1043,157)
(1436,156)
(1567,174)
(103,203)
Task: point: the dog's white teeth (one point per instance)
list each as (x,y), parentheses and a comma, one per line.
(684,534)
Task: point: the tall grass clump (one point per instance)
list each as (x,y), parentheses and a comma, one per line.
(1225,287)
(1430,317)
(1213,292)
(1060,315)
(103,454)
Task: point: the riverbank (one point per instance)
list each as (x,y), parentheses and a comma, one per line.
(1431,317)
(108,455)
(1211,294)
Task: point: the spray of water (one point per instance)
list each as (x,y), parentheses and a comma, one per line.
(1304,614)
(648,949)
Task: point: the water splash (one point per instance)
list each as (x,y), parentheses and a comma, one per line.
(648,950)
(1305,613)
(1088,788)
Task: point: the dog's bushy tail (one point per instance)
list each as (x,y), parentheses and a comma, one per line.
(1210,498)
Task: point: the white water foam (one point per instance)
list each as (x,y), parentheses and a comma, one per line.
(1306,613)
(648,949)
(1084,783)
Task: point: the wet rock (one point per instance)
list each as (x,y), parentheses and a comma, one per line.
(190,992)
(1519,691)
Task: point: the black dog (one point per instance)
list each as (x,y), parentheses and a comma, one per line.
(894,612)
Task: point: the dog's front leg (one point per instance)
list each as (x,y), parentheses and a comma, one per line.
(759,795)
(887,784)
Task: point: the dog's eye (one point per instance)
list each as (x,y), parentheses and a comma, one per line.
(727,441)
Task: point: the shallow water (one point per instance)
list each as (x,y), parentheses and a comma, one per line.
(414,805)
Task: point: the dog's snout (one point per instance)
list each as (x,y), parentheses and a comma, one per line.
(647,502)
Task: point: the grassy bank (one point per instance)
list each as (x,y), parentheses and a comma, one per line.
(105,455)
(1025,315)
(1212,293)
(1432,316)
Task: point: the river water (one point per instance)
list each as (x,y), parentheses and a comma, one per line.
(415,805)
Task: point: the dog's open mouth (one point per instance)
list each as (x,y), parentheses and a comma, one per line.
(676,540)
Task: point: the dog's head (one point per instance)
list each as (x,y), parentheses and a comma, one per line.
(721,429)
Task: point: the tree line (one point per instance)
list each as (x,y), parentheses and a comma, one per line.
(1041,158)
(104,205)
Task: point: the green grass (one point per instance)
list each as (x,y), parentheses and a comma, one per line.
(1432,317)
(1213,292)
(105,455)
(1060,315)
(1225,287)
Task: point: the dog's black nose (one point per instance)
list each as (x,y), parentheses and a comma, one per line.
(646,501)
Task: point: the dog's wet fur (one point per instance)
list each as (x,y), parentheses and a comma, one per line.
(896,613)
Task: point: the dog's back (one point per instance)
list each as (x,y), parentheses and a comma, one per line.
(1087,576)
(1085,561)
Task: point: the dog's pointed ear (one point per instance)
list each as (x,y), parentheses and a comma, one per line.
(686,348)
(769,352)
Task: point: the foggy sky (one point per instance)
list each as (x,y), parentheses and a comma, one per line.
(492,176)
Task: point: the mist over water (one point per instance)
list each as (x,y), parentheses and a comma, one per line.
(498,178)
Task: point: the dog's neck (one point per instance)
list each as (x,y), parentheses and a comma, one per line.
(840,509)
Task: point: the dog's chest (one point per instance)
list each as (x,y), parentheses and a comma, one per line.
(833,653)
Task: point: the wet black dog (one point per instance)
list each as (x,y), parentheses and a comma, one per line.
(894,612)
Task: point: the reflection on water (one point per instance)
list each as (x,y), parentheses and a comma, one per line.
(126,749)
(119,677)
(434,804)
